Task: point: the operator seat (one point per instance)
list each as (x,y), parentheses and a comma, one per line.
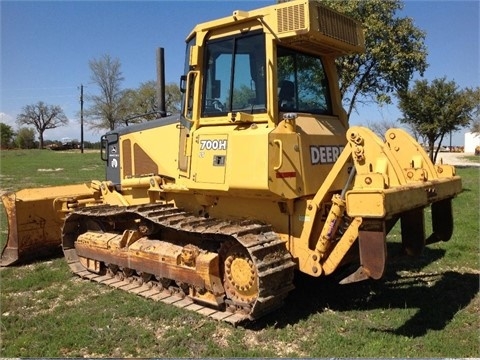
(286,95)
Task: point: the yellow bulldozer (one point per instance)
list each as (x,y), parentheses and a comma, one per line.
(259,176)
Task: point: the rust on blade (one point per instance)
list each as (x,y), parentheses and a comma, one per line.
(373,253)
(10,251)
(35,219)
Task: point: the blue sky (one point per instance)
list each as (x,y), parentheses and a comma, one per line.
(46,47)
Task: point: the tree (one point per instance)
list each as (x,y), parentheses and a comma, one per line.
(25,138)
(42,117)
(173,98)
(141,104)
(7,134)
(475,125)
(395,50)
(106,109)
(436,109)
(381,127)
(127,112)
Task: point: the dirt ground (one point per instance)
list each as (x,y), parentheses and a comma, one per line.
(457,159)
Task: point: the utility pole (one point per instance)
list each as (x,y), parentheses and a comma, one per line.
(81,118)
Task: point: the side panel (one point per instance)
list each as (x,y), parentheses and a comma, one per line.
(230,158)
(322,141)
(150,151)
(252,160)
(210,164)
(301,159)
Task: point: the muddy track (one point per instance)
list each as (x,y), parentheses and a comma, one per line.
(273,263)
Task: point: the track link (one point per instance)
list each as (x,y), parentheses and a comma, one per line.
(273,263)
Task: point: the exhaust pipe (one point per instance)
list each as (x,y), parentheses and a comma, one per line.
(161,82)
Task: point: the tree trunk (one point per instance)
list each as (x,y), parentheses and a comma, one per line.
(40,140)
(431,149)
(438,147)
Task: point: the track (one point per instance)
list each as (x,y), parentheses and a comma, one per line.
(272,262)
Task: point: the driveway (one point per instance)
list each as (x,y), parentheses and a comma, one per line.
(458,159)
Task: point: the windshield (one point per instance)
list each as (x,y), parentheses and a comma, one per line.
(302,83)
(235,76)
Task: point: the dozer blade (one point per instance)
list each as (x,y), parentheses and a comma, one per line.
(35,218)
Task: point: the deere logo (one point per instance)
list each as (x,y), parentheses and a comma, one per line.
(325,154)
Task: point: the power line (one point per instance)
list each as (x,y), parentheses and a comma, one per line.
(40,88)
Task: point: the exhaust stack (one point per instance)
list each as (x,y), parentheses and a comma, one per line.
(161,82)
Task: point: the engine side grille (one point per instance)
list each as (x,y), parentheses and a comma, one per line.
(143,163)
(127,158)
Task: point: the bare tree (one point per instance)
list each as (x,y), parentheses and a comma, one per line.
(105,112)
(42,117)
(381,127)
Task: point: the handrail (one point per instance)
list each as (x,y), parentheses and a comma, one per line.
(187,95)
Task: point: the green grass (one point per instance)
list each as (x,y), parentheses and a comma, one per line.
(424,307)
(473,158)
(36,168)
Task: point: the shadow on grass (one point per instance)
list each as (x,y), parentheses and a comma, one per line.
(437,296)
(436,304)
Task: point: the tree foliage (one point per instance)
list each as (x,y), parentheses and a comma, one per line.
(475,125)
(106,108)
(395,50)
(140,104)
(42,117)
(173,98)
(475,128)
(25,138)
(436,109)
(7,134)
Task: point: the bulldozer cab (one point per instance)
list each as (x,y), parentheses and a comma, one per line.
(252,66)
(262,79)
(301,86)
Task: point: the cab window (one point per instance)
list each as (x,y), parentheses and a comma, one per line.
(302,83)
(235,76)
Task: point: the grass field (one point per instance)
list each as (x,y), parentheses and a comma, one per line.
(424,307)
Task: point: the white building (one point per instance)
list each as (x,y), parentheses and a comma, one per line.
(472,140)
